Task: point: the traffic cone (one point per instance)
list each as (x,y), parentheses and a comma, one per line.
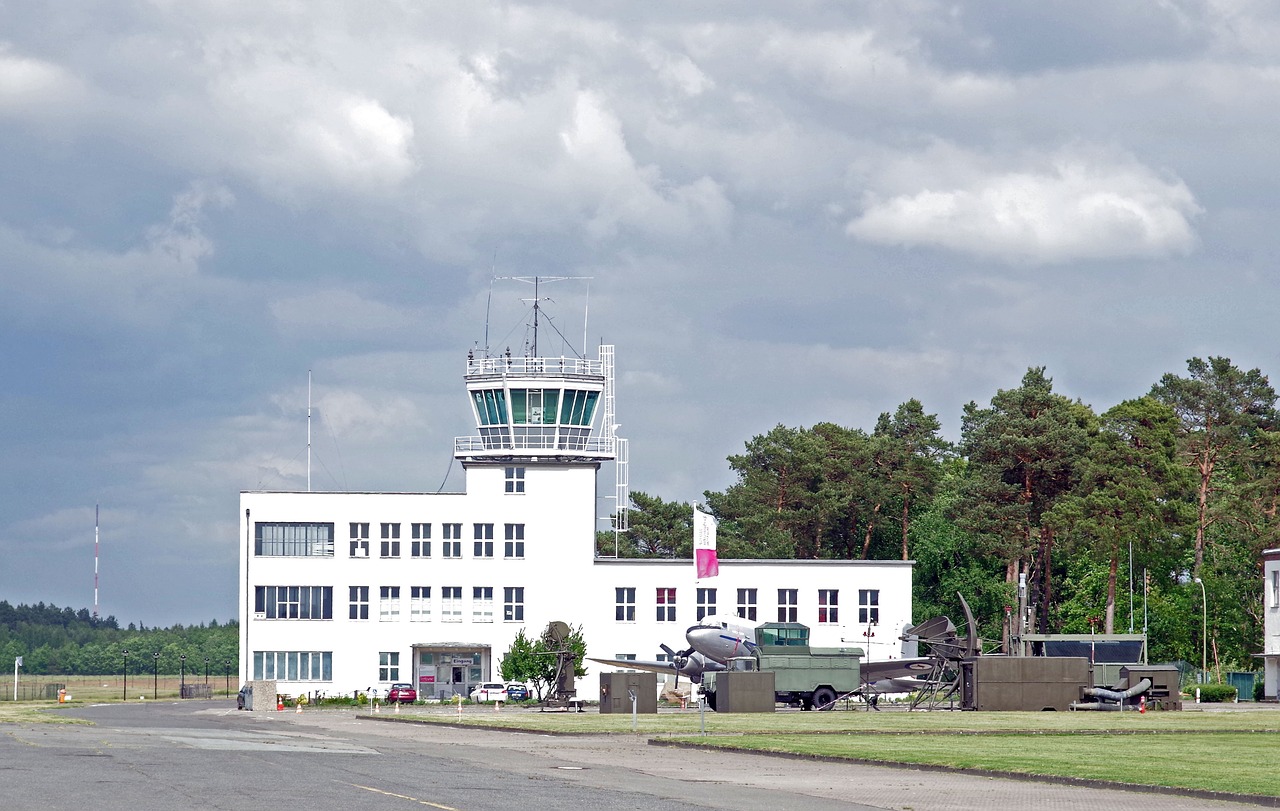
(298,711)
(1142,705)
(279,705)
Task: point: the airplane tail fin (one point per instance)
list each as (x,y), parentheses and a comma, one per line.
(910,642)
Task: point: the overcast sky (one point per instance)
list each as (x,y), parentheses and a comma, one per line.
(790,213)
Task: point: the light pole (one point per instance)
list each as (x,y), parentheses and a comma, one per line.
(124,694)
(1204,631)
(182,679)
(155,676)
(226,669)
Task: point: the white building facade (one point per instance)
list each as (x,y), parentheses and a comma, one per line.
(1271,624)
(347,591)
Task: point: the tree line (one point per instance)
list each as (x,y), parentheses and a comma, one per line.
(1179,486)
(64,641)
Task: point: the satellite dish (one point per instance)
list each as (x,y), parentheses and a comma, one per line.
(555,635)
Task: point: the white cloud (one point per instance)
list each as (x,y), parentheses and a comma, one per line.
(1067,207)
(146,285)
(27,83)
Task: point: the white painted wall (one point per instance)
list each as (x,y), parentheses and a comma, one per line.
(561,577)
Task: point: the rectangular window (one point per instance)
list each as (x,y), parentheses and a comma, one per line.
(484,540)
(513,604)
(666,601)
(452,544)
(421,547)
(292,539)
(513,546)
(482,604)
(359,540)
(624,609)
(706,602)
(389,604)
(1275,588)
(359,603)
(389,666)
(747,604)
(419,604)
(294,602)
(828,607)
(515,480)
(390,547)
(868,606)
(293,665)
(787,600)
(451,604)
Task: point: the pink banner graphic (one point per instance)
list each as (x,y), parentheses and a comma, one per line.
(704,545)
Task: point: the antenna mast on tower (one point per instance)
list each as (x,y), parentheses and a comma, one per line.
(308,430)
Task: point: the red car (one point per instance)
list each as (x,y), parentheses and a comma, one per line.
(402,693)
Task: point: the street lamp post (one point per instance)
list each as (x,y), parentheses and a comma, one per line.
(124,693)
(226,666)
(182,677)
(206,671)
(1204,631)
(155,675)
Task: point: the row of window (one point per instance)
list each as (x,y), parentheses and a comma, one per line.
(304,665)
(316,603)
(747,605)
(316,540)
(419,545)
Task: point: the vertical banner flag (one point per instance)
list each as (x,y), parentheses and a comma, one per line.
(704,544)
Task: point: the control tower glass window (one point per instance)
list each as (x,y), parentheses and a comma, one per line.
(491,406)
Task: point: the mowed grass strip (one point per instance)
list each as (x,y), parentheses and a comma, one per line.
(688,722)
(1235,763)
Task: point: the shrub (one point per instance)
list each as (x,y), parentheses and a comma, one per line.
(1214,693)
(1259,690)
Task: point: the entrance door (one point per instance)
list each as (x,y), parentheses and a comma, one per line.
(460,681)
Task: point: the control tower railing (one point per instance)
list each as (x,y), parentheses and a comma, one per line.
(518,366)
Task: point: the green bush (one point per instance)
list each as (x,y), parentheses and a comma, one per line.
(1213,693)
(1259,690)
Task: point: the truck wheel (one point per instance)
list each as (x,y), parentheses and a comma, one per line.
(824,698)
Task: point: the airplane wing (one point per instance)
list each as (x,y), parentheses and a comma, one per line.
(633,664)
(895,675)
(693,667)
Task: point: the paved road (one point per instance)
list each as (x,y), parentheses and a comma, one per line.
(207,755)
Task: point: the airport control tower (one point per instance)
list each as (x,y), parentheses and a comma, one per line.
(535,410)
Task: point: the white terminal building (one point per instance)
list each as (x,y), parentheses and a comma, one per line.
(346,591)
(1271,624)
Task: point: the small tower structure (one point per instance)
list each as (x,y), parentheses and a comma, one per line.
(532,410)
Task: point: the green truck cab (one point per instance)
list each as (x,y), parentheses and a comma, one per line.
(804,676)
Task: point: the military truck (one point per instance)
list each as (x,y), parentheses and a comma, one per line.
(803,676)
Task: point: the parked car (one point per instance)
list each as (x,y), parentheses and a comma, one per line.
(517,692)
(402,693)
(489,691)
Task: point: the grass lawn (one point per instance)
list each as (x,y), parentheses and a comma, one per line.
(35,712)
(1231,762)
(1224,750)
(687,722)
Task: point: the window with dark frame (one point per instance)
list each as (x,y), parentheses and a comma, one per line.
(788,600)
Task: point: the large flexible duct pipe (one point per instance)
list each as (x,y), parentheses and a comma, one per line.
(1119,695)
